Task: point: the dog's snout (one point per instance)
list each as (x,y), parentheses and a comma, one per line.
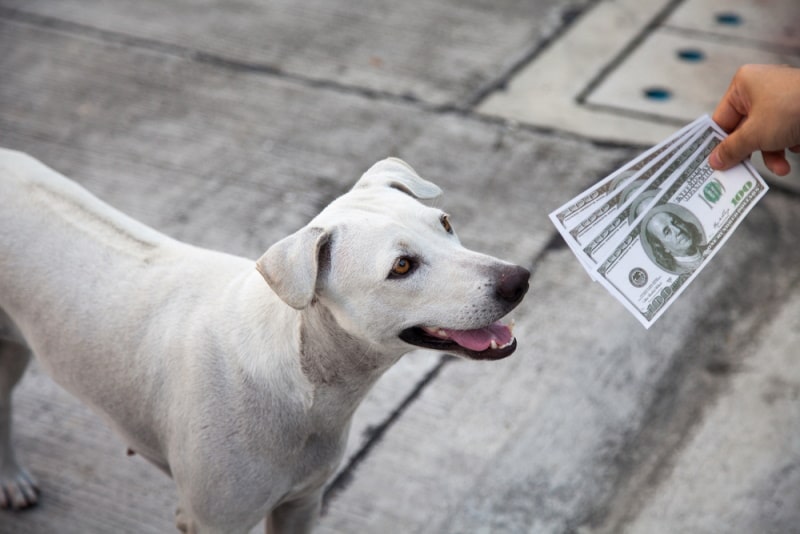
(513,284)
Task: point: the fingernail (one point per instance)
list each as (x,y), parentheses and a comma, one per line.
(714,161)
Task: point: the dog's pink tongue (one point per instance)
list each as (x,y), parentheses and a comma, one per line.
(481,338)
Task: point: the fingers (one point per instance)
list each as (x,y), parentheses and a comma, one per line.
(728,113)
(732,150)
(760,111)
(776,162)
(728,116)
(715,162)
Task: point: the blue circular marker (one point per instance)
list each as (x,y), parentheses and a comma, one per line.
(729,19)
(691,55)
(659,94)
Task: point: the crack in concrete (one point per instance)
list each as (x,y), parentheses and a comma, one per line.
(376,433)
(568,18)
(634,44)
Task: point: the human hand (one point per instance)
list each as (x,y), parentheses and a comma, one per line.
(761,111)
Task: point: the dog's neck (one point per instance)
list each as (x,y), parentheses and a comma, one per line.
(338,368)
(341,367)
(332,357)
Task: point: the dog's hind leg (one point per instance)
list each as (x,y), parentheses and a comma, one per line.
(18,489)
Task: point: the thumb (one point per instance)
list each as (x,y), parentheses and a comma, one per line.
(732,150)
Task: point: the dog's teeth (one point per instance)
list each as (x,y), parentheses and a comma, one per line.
(493,345)
(441,333)
(511,326)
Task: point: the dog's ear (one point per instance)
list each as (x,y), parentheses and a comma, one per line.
(291,265)
(396,173)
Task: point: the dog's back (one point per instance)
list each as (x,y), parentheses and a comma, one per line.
(30,189)
(57,240)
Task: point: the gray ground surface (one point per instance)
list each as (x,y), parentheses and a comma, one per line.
(231,124)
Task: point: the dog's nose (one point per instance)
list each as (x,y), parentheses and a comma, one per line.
(513,284)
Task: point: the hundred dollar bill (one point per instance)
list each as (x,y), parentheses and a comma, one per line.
(668,245)
(565,217)
(572,211)
(595,246)
(599,217)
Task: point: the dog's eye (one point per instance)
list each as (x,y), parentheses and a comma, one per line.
(402,266)
(445,220)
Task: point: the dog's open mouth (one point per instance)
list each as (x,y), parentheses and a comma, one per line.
(488,343)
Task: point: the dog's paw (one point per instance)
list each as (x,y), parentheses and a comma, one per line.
(18,489)
(183,522)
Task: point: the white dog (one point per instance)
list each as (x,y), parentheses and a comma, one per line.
(241,390)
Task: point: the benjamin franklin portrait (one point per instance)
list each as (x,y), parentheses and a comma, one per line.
(673,238)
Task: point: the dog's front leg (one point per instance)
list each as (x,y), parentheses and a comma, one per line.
(18,489)
(295,517)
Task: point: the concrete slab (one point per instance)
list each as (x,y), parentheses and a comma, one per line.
(548,91)
(656,81)
(748,447)
(736,470)
(439,53)
(768,23)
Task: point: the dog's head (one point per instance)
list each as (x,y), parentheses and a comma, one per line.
(393,273)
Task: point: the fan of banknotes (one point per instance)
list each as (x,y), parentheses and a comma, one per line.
(645,231)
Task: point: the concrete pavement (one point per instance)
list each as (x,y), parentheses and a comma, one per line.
(230,124)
